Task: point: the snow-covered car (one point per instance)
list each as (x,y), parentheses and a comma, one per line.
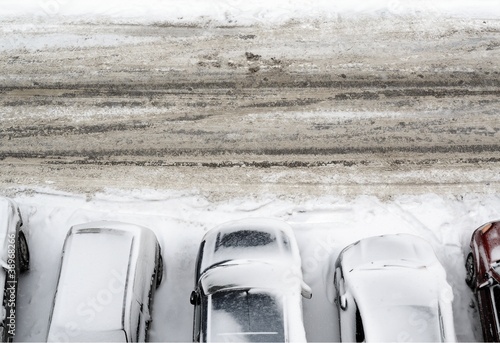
(392,288)
(15,258)
(107,281)
(248,284)
(483,277)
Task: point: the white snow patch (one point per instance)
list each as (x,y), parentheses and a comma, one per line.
(323,227)
(240,12)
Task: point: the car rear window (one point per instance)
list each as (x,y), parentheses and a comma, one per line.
(245,316)
(92,284)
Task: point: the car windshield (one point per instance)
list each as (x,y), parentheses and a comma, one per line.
(247,244)
(245,316)
(244,239)
(92,283)
(413,323)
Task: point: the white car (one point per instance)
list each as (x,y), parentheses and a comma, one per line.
(392,288)
(108,277)
(248,284)
(15,258)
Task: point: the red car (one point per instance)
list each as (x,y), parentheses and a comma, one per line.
(483,277)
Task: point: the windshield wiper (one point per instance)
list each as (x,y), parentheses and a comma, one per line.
(215,265)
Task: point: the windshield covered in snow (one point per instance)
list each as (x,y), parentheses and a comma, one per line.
(248,244)
(93,278)
(245,243)
(245,316)
(407,323)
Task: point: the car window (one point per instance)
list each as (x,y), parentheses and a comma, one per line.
(247,244)
(243,239)
(246,315)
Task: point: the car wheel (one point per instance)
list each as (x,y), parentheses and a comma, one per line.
(159,271)
(23,251)
(470,271)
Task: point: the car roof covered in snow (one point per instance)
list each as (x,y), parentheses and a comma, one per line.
(250,239)
(250,315)
(93,291)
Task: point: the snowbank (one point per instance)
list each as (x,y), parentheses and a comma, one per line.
(240,12)
(323,226)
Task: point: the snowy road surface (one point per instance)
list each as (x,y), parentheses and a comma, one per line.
(351,106)
(343,125)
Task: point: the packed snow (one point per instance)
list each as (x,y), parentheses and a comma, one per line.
(240,12)
(323,227)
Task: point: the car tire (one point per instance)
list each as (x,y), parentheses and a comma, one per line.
(470,271)
(23,252)
(159,271)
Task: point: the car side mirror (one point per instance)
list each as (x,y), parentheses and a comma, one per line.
(195,298)
(487,283)
(343,302)
(306,291)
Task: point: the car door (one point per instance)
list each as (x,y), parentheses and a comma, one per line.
(484,298)
(142,284)
(196,296)
(349,318)
(197,318)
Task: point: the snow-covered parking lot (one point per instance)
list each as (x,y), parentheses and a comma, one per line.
(323,226)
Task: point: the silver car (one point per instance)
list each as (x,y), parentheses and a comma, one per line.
(108,277)
(392,288)
(248,284)
(15,258)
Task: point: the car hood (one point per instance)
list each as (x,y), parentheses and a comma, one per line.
(397,249)
(490,239)
(219,248)
(236,274)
